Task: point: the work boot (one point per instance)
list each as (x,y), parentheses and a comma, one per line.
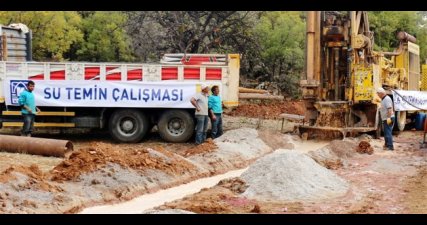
(28,135)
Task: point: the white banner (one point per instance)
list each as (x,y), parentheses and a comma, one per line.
(409,100)
(106,94)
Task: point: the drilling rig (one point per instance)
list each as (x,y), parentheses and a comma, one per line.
(343,72)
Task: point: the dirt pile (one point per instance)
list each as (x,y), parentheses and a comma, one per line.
(36,178)
(334,155)
(208,146)
(365,147)
(99,154)
(235,148)
(212,201)
(276,139)
(291,176)
(269,110)
(236,185)
(343,149)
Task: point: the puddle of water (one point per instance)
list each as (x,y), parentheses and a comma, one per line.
(309,145)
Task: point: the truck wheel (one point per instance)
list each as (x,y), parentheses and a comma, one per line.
(400,120)
(176,126)
(128,125)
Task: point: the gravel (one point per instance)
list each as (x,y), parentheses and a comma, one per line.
(291,176)
(235,147)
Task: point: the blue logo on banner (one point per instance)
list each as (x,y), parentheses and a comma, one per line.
(16,87)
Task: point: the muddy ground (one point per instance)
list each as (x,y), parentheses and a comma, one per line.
(103,172)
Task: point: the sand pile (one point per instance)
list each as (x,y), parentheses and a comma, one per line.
(291,176)
(234,149)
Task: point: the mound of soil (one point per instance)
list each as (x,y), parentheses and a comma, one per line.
(269,110)
(365,147)
(334,155)
(208,146)
(36,178)
(98,154)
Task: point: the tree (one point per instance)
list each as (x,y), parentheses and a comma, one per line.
(386,24)
(105,38)
(282,40)
(54,32)
(189,32)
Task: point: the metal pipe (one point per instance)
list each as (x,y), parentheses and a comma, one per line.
(311,19)
(35,146)
(336,73)
(398,52)
(403,37)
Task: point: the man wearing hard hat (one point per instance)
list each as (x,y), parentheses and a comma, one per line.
(200,101)
(387,117)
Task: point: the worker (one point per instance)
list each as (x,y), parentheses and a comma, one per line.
(200,101)
(215,110)
(28,109)
(387,117)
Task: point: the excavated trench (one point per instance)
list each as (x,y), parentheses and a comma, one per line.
(148,201)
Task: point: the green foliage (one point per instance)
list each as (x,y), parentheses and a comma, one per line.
(386,24)
(53,32)
(282,40)
(105,38)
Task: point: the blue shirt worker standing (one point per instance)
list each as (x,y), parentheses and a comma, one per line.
(215,109)
(29,109)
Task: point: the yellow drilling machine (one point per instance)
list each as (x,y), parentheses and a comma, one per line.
(343,72)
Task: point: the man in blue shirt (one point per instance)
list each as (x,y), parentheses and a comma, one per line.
(215,110)
(29,109)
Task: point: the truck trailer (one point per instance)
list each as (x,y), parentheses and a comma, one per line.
(127,99)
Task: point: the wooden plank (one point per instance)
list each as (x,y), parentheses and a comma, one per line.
(259,96)
(251,90)
(18,113)
(19,124)
(292,117)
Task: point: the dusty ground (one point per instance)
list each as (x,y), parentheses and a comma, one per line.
(102,172)
(381,182)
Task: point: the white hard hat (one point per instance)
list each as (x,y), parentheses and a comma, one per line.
(380,90)
(204,86)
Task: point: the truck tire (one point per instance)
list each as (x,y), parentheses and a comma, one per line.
(128,125)
(176,126)
(400,120)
